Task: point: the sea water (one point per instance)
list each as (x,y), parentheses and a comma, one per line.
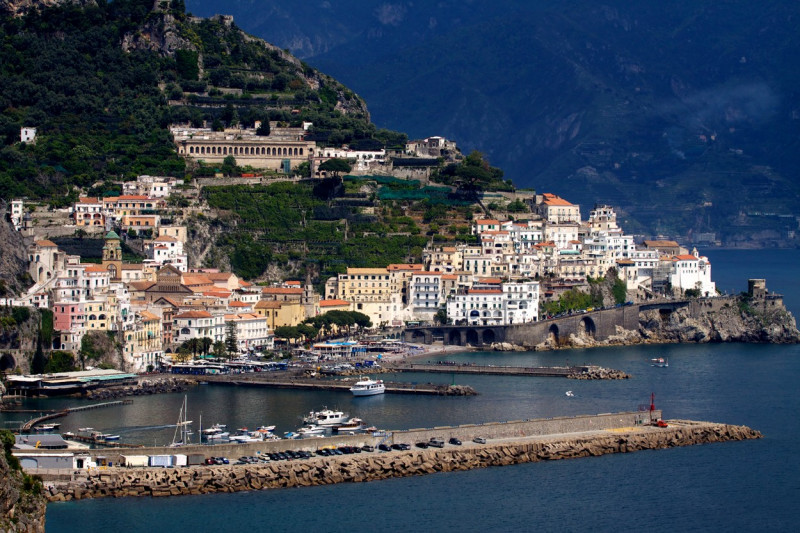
(741,486)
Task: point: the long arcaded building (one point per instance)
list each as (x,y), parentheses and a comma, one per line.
(282,150)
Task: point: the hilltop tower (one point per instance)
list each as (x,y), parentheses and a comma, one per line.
(112,255)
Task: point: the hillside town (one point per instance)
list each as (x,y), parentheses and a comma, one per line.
(159,303)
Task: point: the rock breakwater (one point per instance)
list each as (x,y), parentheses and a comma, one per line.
(142,388)
(121,482)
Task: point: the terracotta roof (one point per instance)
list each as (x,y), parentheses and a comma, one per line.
(196,279)
(494,281)
(293,283)
(141,285)
(89,200)
(132,266)
(486,221)
(96,268)
(172,301)
(217,293)
(281,290)
(245,284)
(46,244)
(239,304)
(687,257)
(194,314)
(661,244)
(133,197)
(333,303)
(165,238)
(147,315)
(484,291)
(404,266)
(556,201)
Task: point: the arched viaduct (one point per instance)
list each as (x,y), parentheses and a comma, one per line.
(597,324)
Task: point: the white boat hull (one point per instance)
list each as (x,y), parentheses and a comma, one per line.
(368,392)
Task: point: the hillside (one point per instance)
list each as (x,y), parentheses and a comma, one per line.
(684,115)
(101,82)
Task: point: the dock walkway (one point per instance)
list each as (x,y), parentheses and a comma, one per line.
(538,371)
(269,380)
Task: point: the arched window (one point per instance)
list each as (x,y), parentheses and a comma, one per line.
(301,151)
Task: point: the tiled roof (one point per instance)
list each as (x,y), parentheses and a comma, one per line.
(333,303)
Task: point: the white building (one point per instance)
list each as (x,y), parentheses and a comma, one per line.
(507,303)
(197,325)
(166,250)
(425,294)
(27,134)
(17,212)
(252,332)
(693,272)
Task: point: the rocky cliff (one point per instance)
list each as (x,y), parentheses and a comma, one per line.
(22,503)
(733,323)
(13,262)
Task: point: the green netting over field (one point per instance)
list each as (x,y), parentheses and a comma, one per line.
(435,195)
(385,180)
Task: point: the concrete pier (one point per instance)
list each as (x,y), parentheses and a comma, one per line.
(507,443)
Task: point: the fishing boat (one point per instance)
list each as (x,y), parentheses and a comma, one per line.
(47,427)
(326,417)
(368,387)
(659,362)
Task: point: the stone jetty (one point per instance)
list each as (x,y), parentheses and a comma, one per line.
(154,482)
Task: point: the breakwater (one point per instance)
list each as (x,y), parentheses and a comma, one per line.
(572,372)
(155,482)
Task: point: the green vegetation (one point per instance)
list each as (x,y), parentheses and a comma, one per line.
(573,300)
(472,175)
(620,291)
(103,111)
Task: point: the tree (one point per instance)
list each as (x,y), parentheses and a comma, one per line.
(229,167)
(219,349)
(231,342)
(39,361)
(336,165)
(60,361)
(263,129)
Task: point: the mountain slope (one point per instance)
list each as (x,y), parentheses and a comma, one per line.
(685,115)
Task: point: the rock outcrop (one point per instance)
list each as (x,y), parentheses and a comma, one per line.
(121,482)
(13,260)
(22,501)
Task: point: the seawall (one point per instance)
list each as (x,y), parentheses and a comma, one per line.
(125,482)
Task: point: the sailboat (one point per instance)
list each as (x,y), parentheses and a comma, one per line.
(181,436)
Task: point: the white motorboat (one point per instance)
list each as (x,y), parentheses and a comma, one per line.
(310,430)
(215,429)
(326,417)
(246,437)
(368,387)
(569,393)
(351,426)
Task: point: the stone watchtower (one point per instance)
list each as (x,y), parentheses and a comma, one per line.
(112,255)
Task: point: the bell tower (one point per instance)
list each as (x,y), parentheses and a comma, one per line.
(112,255)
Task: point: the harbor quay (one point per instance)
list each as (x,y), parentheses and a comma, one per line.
(501,443)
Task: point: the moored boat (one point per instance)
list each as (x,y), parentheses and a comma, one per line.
(368,387)
(351,426)
(326,417)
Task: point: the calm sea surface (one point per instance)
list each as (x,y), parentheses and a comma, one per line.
(740,486)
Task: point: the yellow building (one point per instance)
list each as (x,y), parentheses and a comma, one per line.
(143,342)
(280,313)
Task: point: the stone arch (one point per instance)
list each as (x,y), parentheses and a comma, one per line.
(553,333)
(472,337)
(488,336)
(418,336)
(7,362)
(588,327)
(454,337)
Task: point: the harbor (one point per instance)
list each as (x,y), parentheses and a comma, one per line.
(508,443)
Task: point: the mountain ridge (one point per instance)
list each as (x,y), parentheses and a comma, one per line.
(665,111)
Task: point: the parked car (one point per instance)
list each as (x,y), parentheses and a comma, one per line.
(436,442)
(384,447)
(454,441)
(422,445)
(479,440)
(368,448)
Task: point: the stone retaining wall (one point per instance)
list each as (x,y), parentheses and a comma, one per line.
(120,482)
